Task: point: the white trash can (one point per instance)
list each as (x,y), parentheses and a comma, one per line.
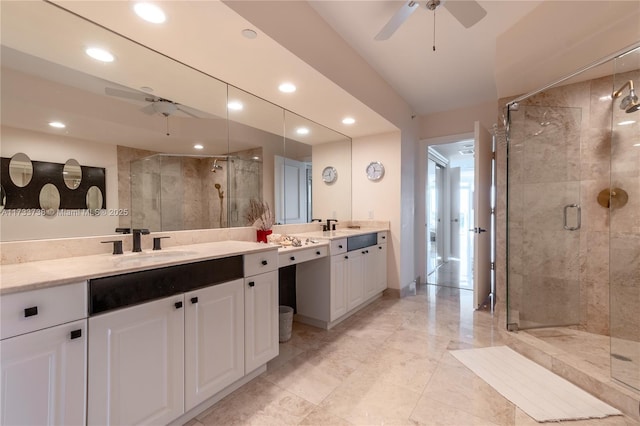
(286,322)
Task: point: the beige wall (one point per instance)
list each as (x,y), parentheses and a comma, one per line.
(380,200)
(58,149)
(458,121)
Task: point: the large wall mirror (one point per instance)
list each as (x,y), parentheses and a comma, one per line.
(181,149)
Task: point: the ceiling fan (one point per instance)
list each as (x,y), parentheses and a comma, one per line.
(467,12)
(157,105)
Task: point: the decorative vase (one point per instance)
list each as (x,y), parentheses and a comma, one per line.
(262,235)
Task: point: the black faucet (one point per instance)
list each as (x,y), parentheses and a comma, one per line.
(136,239)
(328,225)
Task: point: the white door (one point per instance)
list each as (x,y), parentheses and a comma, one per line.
(482,215)
(291,191)
(454,211)
(214,340)
(261,326)
(136,364)
(44,376)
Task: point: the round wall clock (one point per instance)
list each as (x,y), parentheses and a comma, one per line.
(375,170)
(329,174)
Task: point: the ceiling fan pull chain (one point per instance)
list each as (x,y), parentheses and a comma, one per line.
(434,30)
(168,134)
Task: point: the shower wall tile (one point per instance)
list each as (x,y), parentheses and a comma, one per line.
(560,294)
(546,254)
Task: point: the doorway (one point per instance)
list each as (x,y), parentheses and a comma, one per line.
(450,184)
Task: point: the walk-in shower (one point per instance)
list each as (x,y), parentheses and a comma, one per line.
(573,215)
(172,192)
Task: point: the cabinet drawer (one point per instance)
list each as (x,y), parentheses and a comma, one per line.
(37,309)
(292,257)
(383,237)
(258,263)
(338,246)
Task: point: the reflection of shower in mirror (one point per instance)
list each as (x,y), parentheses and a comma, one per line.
(221,196)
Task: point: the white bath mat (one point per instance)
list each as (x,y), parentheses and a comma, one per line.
(541,394)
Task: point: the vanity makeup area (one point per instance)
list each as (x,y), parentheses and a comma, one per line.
(92,336)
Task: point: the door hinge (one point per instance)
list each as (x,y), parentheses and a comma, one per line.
(493,266)
(493,155)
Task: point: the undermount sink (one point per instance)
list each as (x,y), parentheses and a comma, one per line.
(151,256)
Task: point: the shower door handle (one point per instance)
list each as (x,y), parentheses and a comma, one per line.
(578,217)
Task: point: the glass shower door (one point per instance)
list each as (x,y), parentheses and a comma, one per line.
(544,217)
(624,229)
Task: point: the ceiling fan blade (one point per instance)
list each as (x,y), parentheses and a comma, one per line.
(186,111)
(396,20)
(136,96)
(468,12)
(149,109)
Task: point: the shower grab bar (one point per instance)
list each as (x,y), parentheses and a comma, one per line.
(578,216)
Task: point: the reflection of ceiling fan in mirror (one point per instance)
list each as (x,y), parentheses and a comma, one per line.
(157,105)
(467,12)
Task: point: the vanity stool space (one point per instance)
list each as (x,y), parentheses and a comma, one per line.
(154,344)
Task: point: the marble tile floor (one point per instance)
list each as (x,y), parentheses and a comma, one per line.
(453,273)
(388,364)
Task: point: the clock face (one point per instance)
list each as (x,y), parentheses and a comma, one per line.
(329,174)
(375,170)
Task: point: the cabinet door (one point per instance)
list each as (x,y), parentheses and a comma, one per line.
(338,286)
(136,363)
(261,328)
(44,376)
(380,266)
(214,340)
(370,269)
(355,284)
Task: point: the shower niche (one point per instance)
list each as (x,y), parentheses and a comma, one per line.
(176,192)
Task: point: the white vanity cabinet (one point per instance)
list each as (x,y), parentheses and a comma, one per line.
(356,278)
(136,362)
(214,340)
(338,286)
(43,356)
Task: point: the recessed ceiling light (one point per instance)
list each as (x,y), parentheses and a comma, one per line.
(150,12)
(636,144)
(605,98)
(302,131)
(198,146)
(100,54)
(147,89)
(235,106)
(57,124)
(249,33)
(626,123)
(348,120)
(287,88)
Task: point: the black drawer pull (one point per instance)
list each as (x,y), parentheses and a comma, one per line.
(292,258)
(384,238)
(380,248)
(366,251)
(346,257)
(194,300)
(318,253)
(252,284)
(32,311)
(75,334)
(264,262)
(178,305)
(340,246)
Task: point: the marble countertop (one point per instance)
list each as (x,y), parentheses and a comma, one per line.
(33,275)
(289,249)
(340,233)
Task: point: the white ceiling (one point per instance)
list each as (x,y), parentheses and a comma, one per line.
(460,73)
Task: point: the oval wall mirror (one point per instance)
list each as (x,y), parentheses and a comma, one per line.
(94,200)
(3,198)
(72,174)
(20,170)
(49,199)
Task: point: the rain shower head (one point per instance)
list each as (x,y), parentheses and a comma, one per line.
(630,102)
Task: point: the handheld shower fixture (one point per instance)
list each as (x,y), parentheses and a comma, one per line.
(630,102)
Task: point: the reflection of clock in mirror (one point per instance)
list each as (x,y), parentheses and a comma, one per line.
(375,171)
(329,174)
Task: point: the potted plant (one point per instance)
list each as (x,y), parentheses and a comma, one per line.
(259,215)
